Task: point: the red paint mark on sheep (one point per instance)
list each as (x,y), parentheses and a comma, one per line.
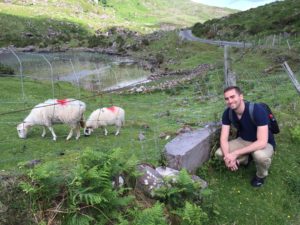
(113,108)
(62,101)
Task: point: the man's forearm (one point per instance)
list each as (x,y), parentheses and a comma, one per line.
(225,147)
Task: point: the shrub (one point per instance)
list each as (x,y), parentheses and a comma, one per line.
(6,70)
(95,41)
(159,57)
(174,193)
(145,41)
(84,195)
(120,41)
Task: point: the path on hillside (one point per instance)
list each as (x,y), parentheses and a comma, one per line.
(187,35)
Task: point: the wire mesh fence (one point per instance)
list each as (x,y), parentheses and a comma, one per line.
(155,116)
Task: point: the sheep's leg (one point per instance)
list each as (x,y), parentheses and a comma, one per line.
(105,131)
(70,134)
(118,130)
(52,132)
(77,132)
(44,132)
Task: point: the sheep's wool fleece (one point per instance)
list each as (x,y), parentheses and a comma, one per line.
(57,111)
(106,116)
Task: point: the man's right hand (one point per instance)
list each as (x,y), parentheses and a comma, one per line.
(231,164)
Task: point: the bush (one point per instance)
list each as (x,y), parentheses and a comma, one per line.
(159,57)
(145,41)
(95,41)
(6,70)
(174,193)
(84,192)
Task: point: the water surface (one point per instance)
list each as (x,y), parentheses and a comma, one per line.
(93,71)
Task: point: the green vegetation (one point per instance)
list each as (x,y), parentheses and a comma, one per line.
(86,194)
(71,23)
(195,103)
(281,17)
(6,70)
(72,183)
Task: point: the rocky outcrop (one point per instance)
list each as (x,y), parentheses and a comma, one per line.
(152,179)
(184,76)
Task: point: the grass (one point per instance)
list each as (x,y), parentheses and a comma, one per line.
(233,201)
(72,23)
(278,18)
(197,102)
(18,150)
(186,55)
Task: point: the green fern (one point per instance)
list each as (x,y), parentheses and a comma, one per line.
(86,195)
(43,182)
(174,193)
(78,219)
(151,216)
(193,215)
(92,190)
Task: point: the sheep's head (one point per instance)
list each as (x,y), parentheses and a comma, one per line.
(22,129)
(88,131)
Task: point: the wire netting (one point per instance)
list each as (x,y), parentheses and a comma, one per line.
(151,120)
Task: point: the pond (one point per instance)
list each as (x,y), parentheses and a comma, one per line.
(93,71)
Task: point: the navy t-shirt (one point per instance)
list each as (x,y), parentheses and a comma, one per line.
(246,128)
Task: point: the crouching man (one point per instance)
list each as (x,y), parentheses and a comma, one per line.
(253,139)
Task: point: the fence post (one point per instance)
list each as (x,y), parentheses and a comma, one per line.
(292,76)
(274,38)
(226,65)
(288,43)
(229,77)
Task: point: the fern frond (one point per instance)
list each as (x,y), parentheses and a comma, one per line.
(193,215)
(151,216)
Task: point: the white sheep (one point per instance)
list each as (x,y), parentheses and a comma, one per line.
(103,117)
(55,111)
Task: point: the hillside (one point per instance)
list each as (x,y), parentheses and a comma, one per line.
(155,114)
(72,182)
(70,22)
(280,17)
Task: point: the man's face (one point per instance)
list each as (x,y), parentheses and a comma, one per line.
(233,99)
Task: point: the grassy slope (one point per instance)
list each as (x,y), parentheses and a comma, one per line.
(234,201)
(274,18)
(135,106)
(72,21)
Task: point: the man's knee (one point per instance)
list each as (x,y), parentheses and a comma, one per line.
(263,156)
(263,161)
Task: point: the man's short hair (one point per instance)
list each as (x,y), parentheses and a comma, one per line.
(236,88)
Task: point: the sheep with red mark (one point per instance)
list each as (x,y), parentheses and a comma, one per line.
(55,111)
(104,117)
